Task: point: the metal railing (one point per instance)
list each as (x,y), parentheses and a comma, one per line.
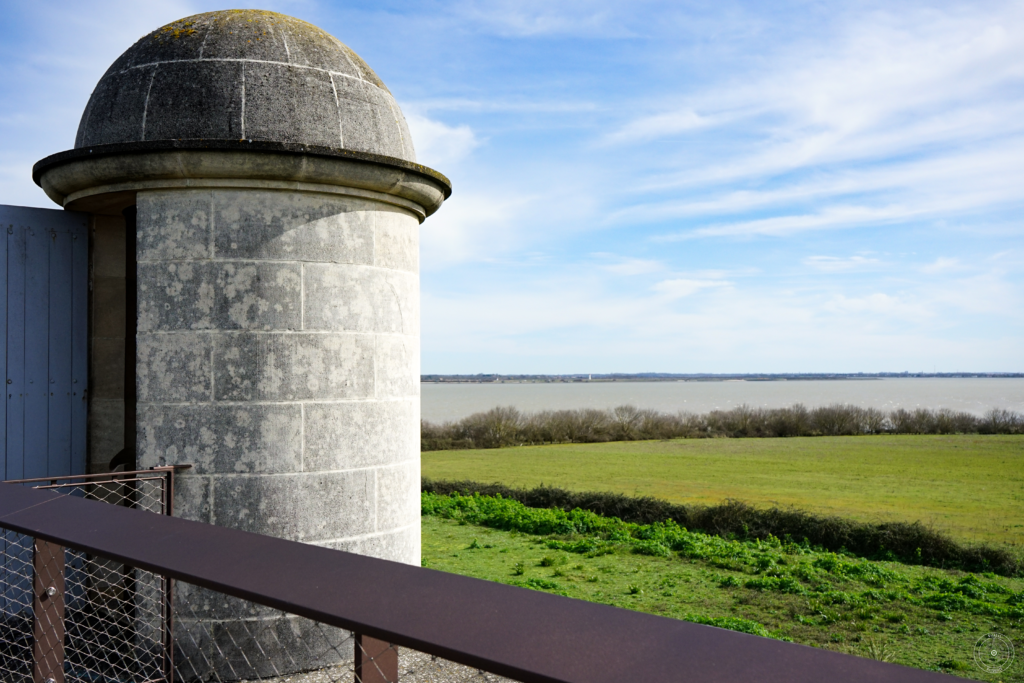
(114,618)
(251,607)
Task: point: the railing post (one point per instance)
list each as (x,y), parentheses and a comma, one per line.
(48,612)
(376,661)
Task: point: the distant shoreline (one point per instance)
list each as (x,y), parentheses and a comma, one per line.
(668,377)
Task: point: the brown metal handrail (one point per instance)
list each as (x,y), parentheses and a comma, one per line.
(526,635)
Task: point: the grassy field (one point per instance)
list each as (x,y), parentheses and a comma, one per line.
(917,616)
(969,486)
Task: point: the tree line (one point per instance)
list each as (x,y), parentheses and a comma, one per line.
(507,426)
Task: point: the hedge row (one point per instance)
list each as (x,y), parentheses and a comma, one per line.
(911,543)
(507,426)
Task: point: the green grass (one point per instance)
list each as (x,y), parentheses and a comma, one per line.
(918,616)
(969,486)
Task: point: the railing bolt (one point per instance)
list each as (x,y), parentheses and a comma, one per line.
(51,591)
(50,680)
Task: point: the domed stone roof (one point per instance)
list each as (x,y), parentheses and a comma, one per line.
(245,75)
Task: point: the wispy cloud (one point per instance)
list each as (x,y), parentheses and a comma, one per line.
(658,125)
(677,288)
(942,265)
(836,264)
(635,266)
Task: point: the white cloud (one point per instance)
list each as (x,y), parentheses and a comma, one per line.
(529,18)
(879,304)
(941,265)
(835,264)
(438,144)
(658,125)
(635,266)
(894,117)
(679,287)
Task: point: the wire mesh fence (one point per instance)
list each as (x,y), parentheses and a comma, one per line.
(220,638)
(71,617)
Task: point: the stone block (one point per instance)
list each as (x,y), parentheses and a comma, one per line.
(108,246)
(293,366)
(176,296)
(304,366)
(397,361)
(299,507)
(195,602)
(398,499)
(256,438)
(193,100)
(403,545)
(367,122)
(253,224)
(348,435)
(219,295)
(115,110)
(236,36)
(193,497)
(397,241)
(309,116)
(359,299)
(165,45)
(108,306)
(264,296)
(174,367)
(107,368)
(105,431)
(309,49)
(173,224)
(236,373)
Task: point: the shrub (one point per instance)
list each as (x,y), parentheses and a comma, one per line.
(506,426)
(889,540)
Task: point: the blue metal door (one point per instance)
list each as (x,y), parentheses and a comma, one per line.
(44,279)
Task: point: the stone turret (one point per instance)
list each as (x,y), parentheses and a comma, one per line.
(277,205)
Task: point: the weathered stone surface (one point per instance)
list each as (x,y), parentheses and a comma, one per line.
(174,225)
(397,241)
(234,367)
(293,227)
(108,307)
(106,431)
(221,75)
(206,604)
(368,119)
(347,435)
(193,497)
(397,546)
(195,100)
(398,366)
(219,295)
(257,438)
(114,112)
(294,366)
(174,367)
(309,117)
(398,500)
(108,247)
(300,507)
(340,297)
(107,368)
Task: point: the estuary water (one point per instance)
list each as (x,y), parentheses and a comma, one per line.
(443,402)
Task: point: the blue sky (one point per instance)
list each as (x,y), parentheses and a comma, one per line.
(661,186)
